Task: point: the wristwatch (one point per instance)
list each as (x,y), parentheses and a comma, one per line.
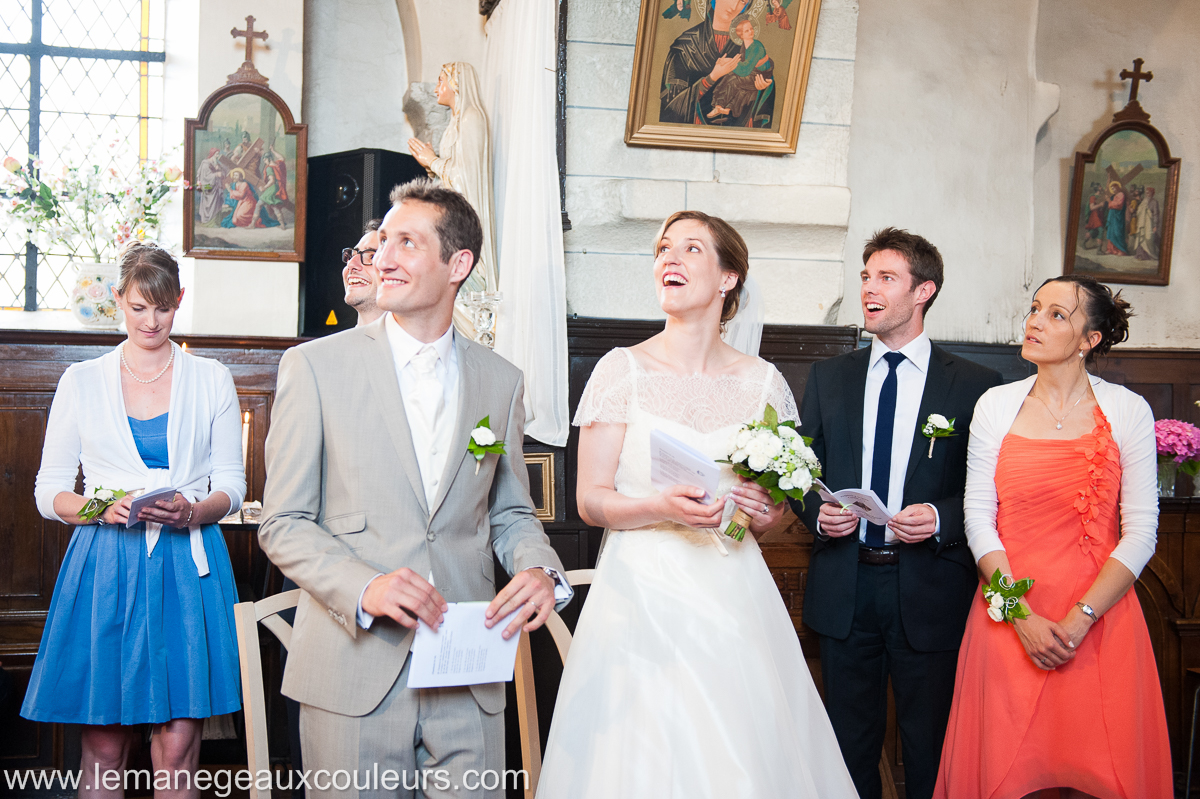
(1088,610)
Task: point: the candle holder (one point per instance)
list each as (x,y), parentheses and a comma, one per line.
(483,306)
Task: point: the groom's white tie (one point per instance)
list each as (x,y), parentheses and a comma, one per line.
(431,403)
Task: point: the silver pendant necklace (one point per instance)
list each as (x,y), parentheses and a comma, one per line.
(162,372)
(1059,425)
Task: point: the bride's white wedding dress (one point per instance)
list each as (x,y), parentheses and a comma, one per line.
(685,678)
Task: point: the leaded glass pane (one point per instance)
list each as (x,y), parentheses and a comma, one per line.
(99,24)
(16,26)
(14,114)
(55,277)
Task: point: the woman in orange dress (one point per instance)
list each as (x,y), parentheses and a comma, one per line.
(1061,488)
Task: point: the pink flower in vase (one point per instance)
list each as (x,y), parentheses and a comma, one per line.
(1177,440)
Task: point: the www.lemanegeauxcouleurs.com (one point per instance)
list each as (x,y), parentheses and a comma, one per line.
(223,781)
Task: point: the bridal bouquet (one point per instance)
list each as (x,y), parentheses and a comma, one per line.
(772,454)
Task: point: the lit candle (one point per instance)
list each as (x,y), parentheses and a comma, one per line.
(184,345)
(245,438)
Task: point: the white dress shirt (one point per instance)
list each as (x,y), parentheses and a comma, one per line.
(1132,430)
(433,447)
(910,387)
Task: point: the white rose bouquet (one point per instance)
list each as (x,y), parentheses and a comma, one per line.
(774,455)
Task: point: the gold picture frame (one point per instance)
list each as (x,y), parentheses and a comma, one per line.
(545,510)
(755,103)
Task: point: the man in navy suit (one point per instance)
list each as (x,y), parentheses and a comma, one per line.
(891,600)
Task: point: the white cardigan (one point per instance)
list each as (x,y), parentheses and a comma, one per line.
(1132,430)
(88,425)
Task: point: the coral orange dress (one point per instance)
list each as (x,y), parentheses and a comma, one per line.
(1096,723)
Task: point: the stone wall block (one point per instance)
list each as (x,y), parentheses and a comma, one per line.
(596,146)
(598,75)
(820,160)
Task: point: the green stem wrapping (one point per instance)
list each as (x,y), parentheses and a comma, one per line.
(738,525)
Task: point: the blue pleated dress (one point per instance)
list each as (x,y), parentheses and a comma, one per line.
(132,639)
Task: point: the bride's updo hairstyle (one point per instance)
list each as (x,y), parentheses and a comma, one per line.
(1105,312)
(732,254)
(153,271)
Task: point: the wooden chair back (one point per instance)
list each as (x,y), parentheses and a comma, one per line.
(247,616)
(527,716)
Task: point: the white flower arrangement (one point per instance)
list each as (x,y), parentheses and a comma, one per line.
(938,426)
(483,441)
(774,455)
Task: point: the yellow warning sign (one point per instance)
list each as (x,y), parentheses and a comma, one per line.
(331,319)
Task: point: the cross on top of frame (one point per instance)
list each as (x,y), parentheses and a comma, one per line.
(1133,111)
(246,72)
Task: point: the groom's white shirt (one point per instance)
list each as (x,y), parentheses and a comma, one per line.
(433,449)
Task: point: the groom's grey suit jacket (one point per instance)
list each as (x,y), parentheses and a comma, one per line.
(344,501)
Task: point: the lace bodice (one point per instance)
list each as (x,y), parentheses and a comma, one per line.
(704,411)
(704,403)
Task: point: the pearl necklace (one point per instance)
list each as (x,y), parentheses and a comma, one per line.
(151,380)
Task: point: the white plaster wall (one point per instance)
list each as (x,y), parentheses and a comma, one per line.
(1083,47)
(792,210)
(946,110)
(356,75)
(450,30)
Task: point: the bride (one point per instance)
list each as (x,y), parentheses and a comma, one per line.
(685,678)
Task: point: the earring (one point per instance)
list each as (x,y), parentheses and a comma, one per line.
(1081,353)
(722,293)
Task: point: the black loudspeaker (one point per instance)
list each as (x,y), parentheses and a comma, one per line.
(345,191)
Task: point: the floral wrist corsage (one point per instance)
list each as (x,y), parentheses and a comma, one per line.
(98,503)
(1003,596)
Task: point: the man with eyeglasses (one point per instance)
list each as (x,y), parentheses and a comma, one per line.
(359,278)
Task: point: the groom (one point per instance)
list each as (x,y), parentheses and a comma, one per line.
(891,601)
(375,508)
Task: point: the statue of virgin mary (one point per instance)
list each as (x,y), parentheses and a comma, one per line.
(463,163)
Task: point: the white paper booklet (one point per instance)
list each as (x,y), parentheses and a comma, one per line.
(462,651)
(673,462)
(148,500)
(863,503)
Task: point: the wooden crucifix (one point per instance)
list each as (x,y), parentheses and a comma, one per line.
(246,72)
(1137,76)
(1133,109)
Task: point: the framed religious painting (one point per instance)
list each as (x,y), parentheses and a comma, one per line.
(721,74)
(1121,216)
(246,162)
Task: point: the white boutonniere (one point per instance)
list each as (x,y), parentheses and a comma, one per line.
(483,441)
(937,426)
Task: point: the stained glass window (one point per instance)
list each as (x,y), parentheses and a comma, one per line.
(75,76)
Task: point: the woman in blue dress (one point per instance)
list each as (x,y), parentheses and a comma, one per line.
(141,628)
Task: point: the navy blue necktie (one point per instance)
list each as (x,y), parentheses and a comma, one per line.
(881,459)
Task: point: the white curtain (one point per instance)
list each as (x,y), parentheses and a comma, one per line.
(519,95)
